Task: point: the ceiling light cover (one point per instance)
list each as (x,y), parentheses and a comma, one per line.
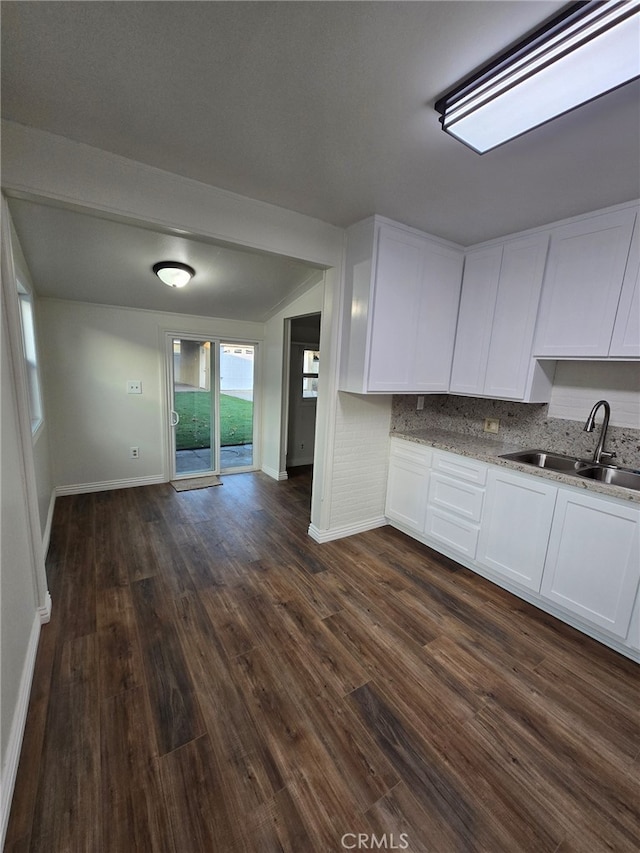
(174,273)
(588,50)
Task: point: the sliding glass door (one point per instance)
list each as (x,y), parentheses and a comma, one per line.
(236,406)
(211,392)
(193,406)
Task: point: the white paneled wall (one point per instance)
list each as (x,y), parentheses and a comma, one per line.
(360,461)
(578,385)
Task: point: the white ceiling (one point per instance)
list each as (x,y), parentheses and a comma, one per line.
(76,256)
(325,108)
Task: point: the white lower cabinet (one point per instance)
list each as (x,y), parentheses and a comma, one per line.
(568,551)
(454,507)
(515,526)
(593,560)
(407,484)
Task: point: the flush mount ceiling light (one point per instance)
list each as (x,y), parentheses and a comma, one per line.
(174,273)
(589,49)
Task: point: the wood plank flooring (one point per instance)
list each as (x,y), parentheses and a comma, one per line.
(214,680)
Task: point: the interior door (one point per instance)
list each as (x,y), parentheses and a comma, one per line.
(194,447)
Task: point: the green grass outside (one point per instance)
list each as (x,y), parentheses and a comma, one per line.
(193,430)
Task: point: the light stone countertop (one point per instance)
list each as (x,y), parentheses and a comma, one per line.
(490,449)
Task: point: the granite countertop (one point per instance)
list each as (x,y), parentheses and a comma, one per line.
(490,449)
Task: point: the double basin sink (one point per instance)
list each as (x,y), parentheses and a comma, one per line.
(611,474)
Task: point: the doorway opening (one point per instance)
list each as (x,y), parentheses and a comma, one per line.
(304,370)
(212,406)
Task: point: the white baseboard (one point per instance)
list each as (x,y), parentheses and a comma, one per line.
(46,536)
(85,488)
(16,734)
(274,474)
(347,530)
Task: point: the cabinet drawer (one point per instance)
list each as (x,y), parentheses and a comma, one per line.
(453,496)
(410,451)
(461,467)
(452,531)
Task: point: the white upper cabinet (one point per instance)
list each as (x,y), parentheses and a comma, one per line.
(625,342)
(402,292)
(498,308)
(582,288)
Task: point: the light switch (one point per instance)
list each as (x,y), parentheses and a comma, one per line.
(134,386)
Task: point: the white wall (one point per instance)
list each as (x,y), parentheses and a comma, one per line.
(360,464)
(578,385)
(273,388)
(23,594)
(89,352)
(18,605)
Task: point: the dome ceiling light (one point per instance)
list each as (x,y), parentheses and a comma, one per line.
(174,273)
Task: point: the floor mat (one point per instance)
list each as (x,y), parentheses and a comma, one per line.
(196,483)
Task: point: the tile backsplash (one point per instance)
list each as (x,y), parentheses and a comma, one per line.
(522,424)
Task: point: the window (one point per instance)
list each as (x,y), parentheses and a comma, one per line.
(310,365)
(30,357)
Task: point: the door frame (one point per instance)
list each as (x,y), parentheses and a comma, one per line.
(286,384)
(214,381)
(169,391)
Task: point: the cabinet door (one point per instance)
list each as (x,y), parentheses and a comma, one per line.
(407,485)
(438,314)
(593,561)
(514,317)
(515,529)
(398,280)
(633,635)
(625,342)
(475,318)
(582,286)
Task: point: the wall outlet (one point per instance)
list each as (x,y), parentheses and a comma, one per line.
(134,452)
(491,425)
(134,386)
(420,403)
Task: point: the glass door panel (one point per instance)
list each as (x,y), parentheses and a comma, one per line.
(193,404)
(236,407)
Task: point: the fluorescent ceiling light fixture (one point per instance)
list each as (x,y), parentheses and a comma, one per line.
(174,273)
(589,49)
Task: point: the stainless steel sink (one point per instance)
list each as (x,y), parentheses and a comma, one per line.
(551,461)
(611,474)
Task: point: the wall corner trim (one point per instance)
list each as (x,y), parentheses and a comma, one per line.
(274,474)
(330,535)
(44,611)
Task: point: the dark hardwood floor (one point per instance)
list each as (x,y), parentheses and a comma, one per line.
(214,680)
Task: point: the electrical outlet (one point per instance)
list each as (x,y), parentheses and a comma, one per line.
(420,403)
(134,452)
(134,386)
(491,425)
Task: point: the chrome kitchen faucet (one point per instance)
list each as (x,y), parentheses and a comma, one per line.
(599,452)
